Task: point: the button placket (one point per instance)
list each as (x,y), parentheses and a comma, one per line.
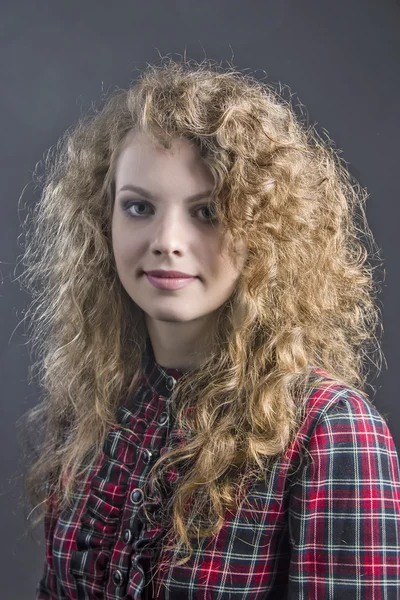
(131,535)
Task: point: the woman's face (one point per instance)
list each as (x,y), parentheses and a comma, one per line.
(161,227)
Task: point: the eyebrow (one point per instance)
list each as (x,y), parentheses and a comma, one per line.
(149,195)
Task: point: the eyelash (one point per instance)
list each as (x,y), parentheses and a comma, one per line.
(127,204)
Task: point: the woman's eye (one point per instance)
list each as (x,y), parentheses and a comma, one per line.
(212,215)
(140,206)
(128,204)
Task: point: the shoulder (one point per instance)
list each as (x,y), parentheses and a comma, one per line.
(330,401)
(338,417)
(344,505)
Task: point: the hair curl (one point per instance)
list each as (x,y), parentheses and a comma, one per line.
(305,298)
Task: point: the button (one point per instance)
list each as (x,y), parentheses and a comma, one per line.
(147,455)
(170,383)
(137,496)
(162,419)
(118,577)
(127,536)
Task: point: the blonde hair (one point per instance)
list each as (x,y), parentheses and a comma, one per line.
(305,299)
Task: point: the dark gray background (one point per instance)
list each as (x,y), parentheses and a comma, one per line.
(340,59)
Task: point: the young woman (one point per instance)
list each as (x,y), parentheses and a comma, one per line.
(206,433)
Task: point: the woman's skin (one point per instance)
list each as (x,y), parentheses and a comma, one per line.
(170,232)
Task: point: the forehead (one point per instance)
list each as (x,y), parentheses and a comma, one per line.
(140,143)
(144,159)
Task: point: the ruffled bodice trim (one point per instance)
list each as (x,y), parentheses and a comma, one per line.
(108,490)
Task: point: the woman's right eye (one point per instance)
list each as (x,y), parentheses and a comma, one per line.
(127,204)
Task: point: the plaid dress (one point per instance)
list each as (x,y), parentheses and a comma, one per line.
(324,525)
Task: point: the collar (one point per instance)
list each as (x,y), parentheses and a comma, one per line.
(161,380)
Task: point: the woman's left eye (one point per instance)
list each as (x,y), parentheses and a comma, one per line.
(128,204)
(212,216)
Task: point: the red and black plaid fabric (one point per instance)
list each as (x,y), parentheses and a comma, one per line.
(324,525)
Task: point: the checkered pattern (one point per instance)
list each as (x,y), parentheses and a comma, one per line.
(325,524)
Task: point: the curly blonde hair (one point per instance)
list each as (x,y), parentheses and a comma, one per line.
(305,299)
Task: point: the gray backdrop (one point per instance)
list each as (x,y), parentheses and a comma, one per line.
(340,59)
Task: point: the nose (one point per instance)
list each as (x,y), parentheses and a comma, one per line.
(170,233)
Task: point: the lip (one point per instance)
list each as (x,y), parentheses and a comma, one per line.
(170,283)
(169,274)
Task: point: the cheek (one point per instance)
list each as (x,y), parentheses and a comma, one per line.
(116,246)
(121,241)
(121,253)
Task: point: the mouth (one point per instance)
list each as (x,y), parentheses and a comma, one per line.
(169,283)
(169,274)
